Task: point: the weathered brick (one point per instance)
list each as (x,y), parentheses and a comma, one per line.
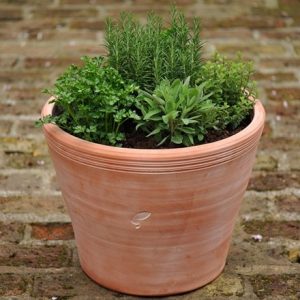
(5,127)
(273,181)
(280,62)
(67,285)
(252,22)
(297,49)
(285,127)
(52,231)
(225,285)
(35,256)
(285,285)
(10,14)
(265,162)
(289,34)
(94,25)
(288,203)
(40,205)
(284,108)
(25,92)
(28,128)
(254,49)
(41,62)
(284,93)
(64,12)
(21,182)
(217,33)
(83,2)
(25,76)
(16,108)
(54,183)
(16,144)
(8,62)
(270,229)
(13,284)
(11,232)
(275,77)
(63,36)
(23,160)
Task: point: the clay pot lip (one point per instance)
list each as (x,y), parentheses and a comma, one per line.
(77,144)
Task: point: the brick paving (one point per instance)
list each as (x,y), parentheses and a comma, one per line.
(38,39)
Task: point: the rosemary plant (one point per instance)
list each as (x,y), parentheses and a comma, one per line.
(149,53)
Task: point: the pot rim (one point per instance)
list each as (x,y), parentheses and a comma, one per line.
(212,153)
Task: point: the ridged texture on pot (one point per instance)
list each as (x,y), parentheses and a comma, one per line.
(153,222)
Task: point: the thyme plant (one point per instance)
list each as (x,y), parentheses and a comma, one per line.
(230,83)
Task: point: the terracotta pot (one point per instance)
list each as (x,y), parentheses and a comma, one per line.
(153,222)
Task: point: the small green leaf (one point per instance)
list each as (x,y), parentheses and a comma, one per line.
(177,139)
(155,131)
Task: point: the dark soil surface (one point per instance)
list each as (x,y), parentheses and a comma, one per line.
(138,140)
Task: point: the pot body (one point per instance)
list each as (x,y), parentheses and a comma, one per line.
(153,222)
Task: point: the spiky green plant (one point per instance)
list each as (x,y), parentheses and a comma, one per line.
(148,53)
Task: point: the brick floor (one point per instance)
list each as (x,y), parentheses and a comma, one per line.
(38,258)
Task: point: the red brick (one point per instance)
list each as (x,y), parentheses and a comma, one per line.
(13,284)
(93,2)
(67,285)
(30,107)
(290,34)
(41,62)
(8,62)
(286,285)
(11,232)
(94,25)
(288,203)
(70,35)
(10,14)
(251,22)
(24,92)
(284,108)
(64,12)
(280,62)
(5,127)
(250,48)
(280,143)
(268,229)
(52,231)
(25,76)
(273,181)
(35,256)
(226,33)
(275,77)
(286,93)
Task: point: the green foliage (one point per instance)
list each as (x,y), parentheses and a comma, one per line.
(177,112)
(229,82)
(153,78)
(149,53)
(94,102)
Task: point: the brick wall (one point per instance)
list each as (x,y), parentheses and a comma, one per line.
(38,39)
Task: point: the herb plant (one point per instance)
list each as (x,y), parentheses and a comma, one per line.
(229,82)
(153,80)
(149,53)
(177,112)
(94,102)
